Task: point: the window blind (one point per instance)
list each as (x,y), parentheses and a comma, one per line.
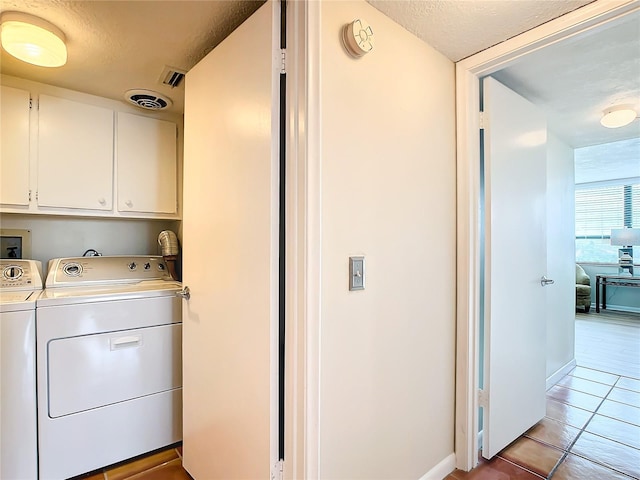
(635,205)
(600,209)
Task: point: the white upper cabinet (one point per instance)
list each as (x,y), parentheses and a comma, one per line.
(71,153)
(146,164)
(14,146)
(75,155)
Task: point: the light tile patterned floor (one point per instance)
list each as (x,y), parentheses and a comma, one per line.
(591,430)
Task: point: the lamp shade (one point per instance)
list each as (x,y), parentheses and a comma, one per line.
(625,237)
(33,40)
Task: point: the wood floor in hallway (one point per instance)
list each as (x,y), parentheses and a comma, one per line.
(609,341)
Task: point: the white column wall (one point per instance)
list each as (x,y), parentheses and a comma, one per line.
(560,255)
(388,192)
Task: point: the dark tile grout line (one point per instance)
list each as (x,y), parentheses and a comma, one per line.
(594,413)
(520,466)
(565,454)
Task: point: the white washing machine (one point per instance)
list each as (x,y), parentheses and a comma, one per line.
(20,285)
(109,361)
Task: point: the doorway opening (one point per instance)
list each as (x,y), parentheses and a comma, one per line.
(566,30)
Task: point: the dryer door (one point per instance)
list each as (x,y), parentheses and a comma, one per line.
(92,371)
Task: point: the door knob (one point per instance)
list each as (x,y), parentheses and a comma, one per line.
(544,281)
(184,293)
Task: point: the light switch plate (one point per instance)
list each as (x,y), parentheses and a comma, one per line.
(356,273)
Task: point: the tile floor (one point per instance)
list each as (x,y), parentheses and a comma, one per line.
(591,431)
(164,464)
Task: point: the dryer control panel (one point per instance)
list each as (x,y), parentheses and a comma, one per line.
(105,270)
(20,274)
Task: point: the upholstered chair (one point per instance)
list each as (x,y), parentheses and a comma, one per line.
(583,289)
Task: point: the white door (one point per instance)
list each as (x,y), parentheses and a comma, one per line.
(230,257)
(515,262)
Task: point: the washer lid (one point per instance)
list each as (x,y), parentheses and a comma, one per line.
(12,301)
(107,293)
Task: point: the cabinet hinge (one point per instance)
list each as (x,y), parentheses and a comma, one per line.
(36,195)
(29,195)
(482,398)
(283,66)
(30,103)
(481,120)
(277,472)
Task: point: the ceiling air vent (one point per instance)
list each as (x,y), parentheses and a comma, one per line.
(172,76)
(148,99)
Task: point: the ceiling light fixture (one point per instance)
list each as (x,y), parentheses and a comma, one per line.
(618,116)
(33,40)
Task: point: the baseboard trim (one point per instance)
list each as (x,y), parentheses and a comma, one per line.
(620,308)
(442,469)
(555,378)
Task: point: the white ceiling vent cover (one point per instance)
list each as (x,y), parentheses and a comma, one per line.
(148,99)
(172,76)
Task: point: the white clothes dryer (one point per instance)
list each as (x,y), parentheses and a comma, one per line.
(109,350)
(20,285)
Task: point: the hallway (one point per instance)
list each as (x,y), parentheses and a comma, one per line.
(592,425)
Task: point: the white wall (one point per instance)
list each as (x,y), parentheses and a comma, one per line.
(388,193)
(54,237)
(560,255)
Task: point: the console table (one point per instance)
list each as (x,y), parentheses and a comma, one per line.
(616,280)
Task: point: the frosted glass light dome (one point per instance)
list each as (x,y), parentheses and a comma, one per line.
(33,40)
(619,116)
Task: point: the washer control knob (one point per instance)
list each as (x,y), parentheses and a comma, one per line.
(133,266)
(72,269)
(147,266)
(12,272)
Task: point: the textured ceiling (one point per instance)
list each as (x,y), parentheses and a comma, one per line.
(117,45)
(460,28)
(114,46)
(575,80)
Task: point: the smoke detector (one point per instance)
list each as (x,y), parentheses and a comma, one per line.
(357,38)
(147,99)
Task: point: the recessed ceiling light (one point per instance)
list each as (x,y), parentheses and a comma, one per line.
(33,40)
(618,116)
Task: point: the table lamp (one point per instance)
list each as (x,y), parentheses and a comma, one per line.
(625,238)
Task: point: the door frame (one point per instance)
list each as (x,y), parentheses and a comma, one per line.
(589,18)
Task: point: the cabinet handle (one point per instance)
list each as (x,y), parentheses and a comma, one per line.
(129,203)
(102,201)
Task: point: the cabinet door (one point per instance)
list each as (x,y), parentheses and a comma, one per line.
(75,155)
(14,146)
(146,156)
